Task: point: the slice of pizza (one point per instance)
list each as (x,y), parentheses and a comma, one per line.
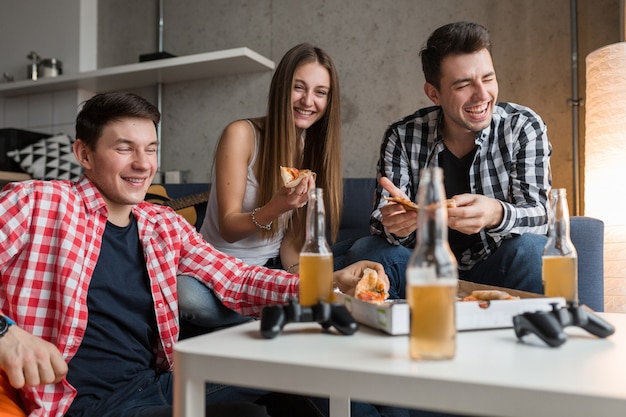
(371,288)
(405,202)
(489,295)
(293,176)
(409,205)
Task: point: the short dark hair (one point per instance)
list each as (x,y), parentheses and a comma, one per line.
(102,109)
(454,38)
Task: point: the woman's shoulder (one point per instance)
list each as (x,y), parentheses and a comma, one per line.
(237,142)
(246,129)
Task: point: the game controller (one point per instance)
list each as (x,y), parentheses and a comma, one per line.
(274,318)
(548,325)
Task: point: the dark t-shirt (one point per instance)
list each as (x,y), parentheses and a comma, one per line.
(121,329)
(456,181)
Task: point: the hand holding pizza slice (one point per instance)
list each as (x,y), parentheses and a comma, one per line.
(371,288)
(294,176)
(411,206)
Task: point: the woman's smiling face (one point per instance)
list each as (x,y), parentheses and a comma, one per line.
(309,94)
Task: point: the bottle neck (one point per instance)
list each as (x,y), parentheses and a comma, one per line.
(559,242)
(559,216)
(316,222)
(432,255)
(432,227)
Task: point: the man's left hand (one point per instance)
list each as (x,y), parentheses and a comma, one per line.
(474,212)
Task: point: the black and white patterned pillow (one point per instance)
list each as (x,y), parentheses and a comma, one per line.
(49,159)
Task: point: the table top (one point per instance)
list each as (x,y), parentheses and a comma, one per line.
(491,374)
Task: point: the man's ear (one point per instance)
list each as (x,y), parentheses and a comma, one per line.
(82,154)
(432,93)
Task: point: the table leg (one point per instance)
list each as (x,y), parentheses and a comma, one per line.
(339,407)
(189,397)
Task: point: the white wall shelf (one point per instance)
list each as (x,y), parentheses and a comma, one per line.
(168,70)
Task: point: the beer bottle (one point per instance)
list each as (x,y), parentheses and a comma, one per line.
(432,275)
(316,258)
(560,260)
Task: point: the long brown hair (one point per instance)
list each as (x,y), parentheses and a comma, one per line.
(322,149)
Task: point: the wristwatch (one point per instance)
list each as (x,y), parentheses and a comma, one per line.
(5,322)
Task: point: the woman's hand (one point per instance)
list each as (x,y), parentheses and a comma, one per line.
(293,198)
(347,278)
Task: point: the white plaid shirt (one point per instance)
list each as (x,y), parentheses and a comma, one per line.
(512,165)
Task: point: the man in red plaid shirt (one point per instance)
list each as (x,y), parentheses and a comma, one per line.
(88,278)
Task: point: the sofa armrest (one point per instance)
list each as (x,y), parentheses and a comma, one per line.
(587,234)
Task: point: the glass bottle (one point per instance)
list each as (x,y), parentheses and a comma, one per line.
(432,275)
(316,258)
(559,267)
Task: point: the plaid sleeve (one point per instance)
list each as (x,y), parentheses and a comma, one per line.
(525,204)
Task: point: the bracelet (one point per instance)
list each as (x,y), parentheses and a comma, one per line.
(290,267)
(259,225)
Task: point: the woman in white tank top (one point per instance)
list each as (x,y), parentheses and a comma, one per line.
(250,213)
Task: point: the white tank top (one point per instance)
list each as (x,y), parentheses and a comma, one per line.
(253,249)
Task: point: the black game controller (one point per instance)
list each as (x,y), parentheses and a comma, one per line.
(548,325)
(274,318)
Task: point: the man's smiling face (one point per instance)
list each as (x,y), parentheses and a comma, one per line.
(468,91)
(123,163)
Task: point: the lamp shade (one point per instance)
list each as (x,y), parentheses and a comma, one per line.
(605,161)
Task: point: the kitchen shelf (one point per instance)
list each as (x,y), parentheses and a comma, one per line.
(167,70)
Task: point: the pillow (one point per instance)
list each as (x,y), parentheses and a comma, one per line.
(49,159)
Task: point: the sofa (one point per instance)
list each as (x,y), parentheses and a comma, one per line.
(587,233)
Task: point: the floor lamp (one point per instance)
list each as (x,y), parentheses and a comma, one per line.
(605,161)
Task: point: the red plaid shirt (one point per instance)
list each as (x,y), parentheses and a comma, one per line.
(50,238)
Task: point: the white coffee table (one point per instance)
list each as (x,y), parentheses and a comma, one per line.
(491,375)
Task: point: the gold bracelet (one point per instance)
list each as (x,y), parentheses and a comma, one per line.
(259,225)
(290,267)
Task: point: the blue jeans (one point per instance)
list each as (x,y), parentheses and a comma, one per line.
(515,264)
(150,395)
(200,307)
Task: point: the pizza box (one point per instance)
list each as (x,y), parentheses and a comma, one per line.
(392,317)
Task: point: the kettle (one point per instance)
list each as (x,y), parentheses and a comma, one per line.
(43,68)
(50,67)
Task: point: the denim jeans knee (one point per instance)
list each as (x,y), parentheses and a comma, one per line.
(200,306)
(394,259)
(515,264)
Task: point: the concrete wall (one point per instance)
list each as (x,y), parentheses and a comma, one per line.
(374,43)
(375,46)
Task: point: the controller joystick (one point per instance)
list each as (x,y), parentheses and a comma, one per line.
(548,325)
(275,317)
(544,324)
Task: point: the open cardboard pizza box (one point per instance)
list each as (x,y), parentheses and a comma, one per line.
(393,316)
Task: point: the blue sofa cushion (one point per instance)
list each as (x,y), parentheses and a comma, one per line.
(587,233)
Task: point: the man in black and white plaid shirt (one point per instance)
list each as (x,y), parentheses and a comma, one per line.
(496,162)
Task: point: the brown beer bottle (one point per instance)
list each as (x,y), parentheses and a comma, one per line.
(559,261)
(432,275)
(316,258)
